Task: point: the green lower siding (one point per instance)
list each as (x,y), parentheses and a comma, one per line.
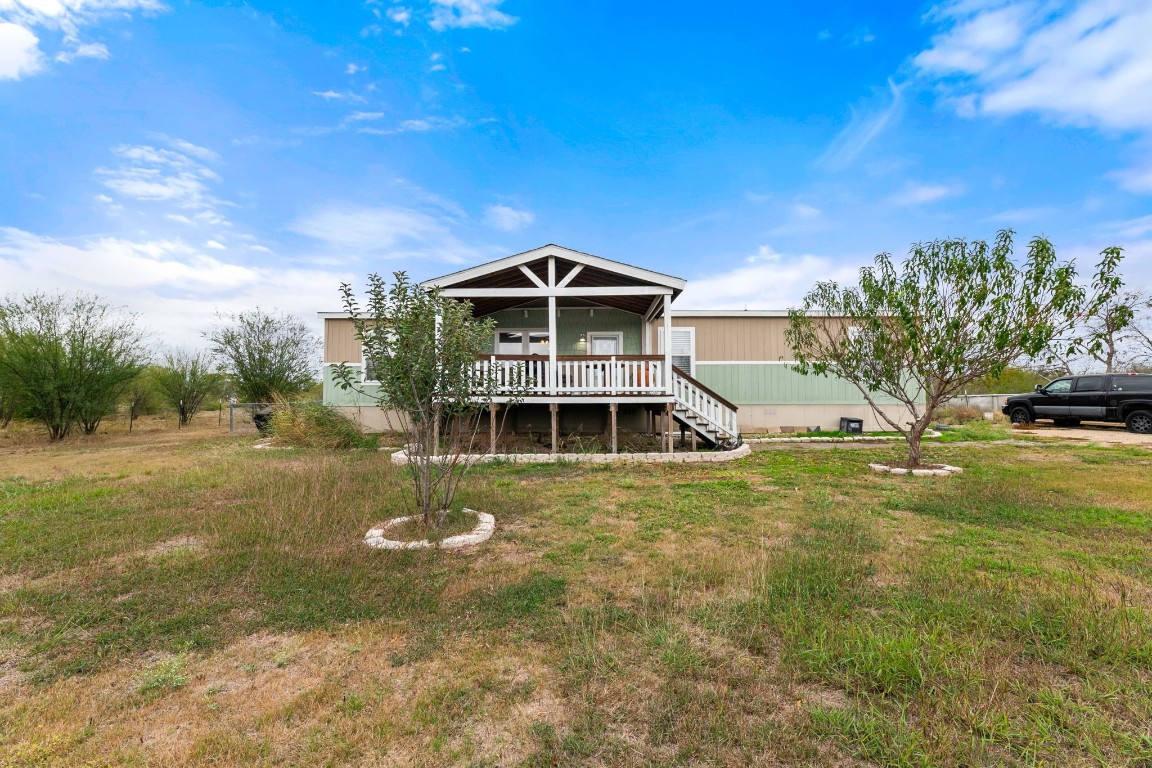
(775,384)
(333,395)
(571,324)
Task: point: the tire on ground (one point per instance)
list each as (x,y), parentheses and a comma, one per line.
(1020,415)
(1139,422)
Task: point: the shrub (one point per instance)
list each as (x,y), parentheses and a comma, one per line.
(315,425)
(959,414)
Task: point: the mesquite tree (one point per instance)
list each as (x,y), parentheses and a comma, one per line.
(68,359)
(185,380)
(268,354)
(421,348)
(954,311)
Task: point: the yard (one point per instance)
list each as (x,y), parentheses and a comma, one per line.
(183,599)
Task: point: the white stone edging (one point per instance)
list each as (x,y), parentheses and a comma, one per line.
(485,526)
(860,439)
(934,470)
(401,457)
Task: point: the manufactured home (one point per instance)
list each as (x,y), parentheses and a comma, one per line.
(603,348)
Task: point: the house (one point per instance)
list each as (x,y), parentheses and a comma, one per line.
(591,337)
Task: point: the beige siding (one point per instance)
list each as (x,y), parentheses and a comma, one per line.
(340,342)
(733,338)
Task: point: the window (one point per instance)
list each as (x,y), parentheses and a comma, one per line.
(1132,383)
(683,349)
(1089,383)
(1059,387)
(369,371)
(522,342)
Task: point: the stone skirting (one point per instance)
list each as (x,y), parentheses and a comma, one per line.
(691,457)
(485,525)
(854,439)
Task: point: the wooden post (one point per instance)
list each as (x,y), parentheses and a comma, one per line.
(612,419)
(693,440)
(492,407)
(668,427)
(555,409)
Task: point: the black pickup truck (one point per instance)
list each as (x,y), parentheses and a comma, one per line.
(1115,397)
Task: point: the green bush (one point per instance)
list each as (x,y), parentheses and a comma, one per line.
(315,425)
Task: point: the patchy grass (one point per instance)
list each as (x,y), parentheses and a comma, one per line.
(188,600)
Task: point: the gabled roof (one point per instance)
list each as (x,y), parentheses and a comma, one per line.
(594,272)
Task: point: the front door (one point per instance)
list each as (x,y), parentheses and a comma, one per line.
(604,344)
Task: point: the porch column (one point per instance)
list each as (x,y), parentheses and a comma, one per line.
(555,409)
(668,344)
(612,424)
(552,332)
(492,408)
(668,433)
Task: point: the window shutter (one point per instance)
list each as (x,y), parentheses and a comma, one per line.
(683,348)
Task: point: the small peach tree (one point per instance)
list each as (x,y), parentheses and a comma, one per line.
(954,311)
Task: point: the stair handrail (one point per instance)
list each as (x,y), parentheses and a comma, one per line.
(696,383)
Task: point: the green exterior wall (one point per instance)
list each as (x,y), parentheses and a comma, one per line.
(772,384)
(572,323)
(333,395)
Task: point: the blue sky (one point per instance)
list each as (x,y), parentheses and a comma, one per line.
(186,157)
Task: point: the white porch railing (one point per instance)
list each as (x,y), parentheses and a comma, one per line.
(575,375)
(702,403)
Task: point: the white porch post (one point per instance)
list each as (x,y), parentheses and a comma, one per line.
(552,340)
(668,344)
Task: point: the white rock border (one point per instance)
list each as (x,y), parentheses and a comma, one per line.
(485,526)
(692,457)
(934,470)
(860,439)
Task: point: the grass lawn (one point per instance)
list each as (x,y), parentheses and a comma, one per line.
(184,599)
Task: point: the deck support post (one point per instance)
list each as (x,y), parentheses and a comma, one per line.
(668,433)
(693,441)
(555,409)
(492,408)
(612,407)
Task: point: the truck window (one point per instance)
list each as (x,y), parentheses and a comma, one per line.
(1059,387)
(1121,383)
(1089,383)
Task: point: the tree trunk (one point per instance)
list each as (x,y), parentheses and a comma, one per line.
(914,437)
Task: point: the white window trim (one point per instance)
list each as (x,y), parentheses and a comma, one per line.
(618,335)
(524,345)
(691,333)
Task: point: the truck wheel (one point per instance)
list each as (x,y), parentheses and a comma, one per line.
(1139,422)
(1020,415)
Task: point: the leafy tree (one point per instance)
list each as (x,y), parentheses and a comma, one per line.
(140,395)
(68,358)
(1011,379)
(422,347)
(953,312)
(268,354)
(185,380)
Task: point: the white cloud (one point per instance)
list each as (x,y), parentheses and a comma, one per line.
(1085,62)
(84,51)
(384,232)
(768,280)
(360,117)
(1021,215)
(352,69)
(448,14)
(148,173)
(176,287)
(1078,62)
(19,52)
(421,125)
(805,212)
(400,14)
(919,194)
(864,126)
(215,245)
(507,219)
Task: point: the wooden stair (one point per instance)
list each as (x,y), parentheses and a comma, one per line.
(711,417)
